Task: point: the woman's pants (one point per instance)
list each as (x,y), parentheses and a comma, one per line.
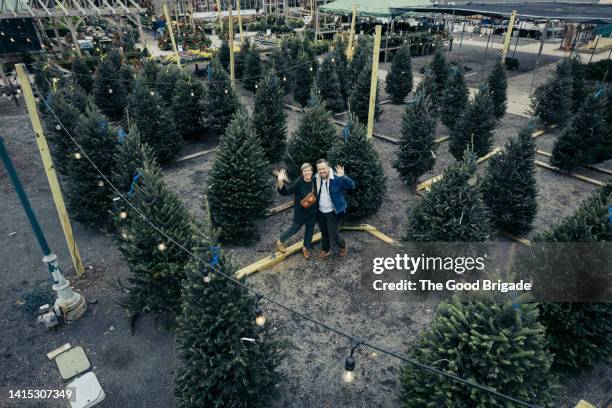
(294,229)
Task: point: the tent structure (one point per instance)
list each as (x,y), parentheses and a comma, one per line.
(370,8)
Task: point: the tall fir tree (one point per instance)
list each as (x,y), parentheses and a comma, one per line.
(454,98)
(166,83)
(363,165)
(359,102)
(154,123)
(416,150)
(87,194)
(428,88)
(459,341)
(362,56)
(439,67)
(313,138)
(270,119)
(224,54)
(498,86)
(240,59)
(399,78)
(187,107)
(474,128)
(303,79)
(130,156)
(239,188)
(586,138)
(156,263)
(509,187)
(551,102)
(82,75)
(150,71)
(452,210)
(126,72)
(342,67)
(252,69)
(109,90)
(571,67)
(220,101)
(329,84)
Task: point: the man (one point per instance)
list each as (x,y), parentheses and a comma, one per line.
(332,206)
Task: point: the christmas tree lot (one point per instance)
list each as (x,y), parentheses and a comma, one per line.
(329,85)
(359,101)
(252,69)
(82,75)
(131,156)
(303,79)
(454,98)
(399,78)
(187,107)
(165,85)
(270,119)
(109,90)
(220,101)
(498,86)
(551,102)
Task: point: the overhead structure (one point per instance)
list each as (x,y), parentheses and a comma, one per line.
(12,9)
(370,8)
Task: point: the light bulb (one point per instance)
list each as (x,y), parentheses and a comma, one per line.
(77,156)
(349,369)
(333,60)
(58,127)
(100,183)
(284,79)
(152,93)
(260,319)
(207,278)
(226,91)
(192,94)
(55,80)
(123,215)
(310,69)
(161,246)
(124,235)
(256,86)
(110,91)
(348,376)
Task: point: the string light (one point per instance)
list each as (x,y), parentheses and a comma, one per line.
(161,246)
(110,91)
(284,79)
(123,214)
(260,319)
(12,39)
(192,94)
(226,91)
(77,156)
(100,183)
(349,364)
(152,93)
(207,277)
(57,127)
(124,234)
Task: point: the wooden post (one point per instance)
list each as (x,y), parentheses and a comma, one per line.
(169,23)
(508,38)
(193,28)
(349,50)
(230,28)
(220,17)
(374,82)
(240,22)
(45,155)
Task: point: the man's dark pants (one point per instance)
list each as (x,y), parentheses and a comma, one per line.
(329,224)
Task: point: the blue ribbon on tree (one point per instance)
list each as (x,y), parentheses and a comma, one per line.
(215,255)
(133,186)
(121,135)
(102,125)
(346,133)
(610,214)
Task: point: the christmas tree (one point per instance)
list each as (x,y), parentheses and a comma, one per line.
(156,263)
(239,188)
(453,210)
(303,79)
(220,101)
(498,86)
(240,59)
(509,187)
(43,77)
(82,75)
(363,165)
(131,156)
(313,138)
(572,68)
(359,101)
(126,72)
(109,92)
(427,87)
(222,370)
(329,84)
(252,69)
(362,56)
(166,83)
(489,344)
(552,101)
(187,107)
(154,123)
(150,71)
(474,128)
(224,54)
(342,67)
(439,68)
(586,139)
(454,98)
(416,152)
(87,194)
(270,119)
(399,78)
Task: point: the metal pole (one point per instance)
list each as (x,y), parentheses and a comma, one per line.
(72,304)
(518,34)
(594,48)
(535,69)
(387,38)
(488,39)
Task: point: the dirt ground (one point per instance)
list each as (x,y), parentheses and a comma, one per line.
(137,371)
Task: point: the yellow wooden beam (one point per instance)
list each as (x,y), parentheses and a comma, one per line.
(522,241)
(351,46)
(230,28)
(574,175)
(594,168)
(280,208)
(508,37)
(169,22)
(374,80)
(240,22)
(584,404)
(45,155)
(220,17)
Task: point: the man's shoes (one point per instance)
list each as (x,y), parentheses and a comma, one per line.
(306,253)
(344,251)
(323,254)
(280,246)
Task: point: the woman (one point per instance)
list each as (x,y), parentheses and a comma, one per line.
(303,214)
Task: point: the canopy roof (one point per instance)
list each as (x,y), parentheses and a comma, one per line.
(595,13)
(370,8)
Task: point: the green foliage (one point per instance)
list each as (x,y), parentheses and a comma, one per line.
(240,59)
(571,67)
(313,138)
(474,128)
(187,106)
(440,68)
(552,101)
(427,87)
(154,123)
(220,101)
(399,78)
(303,79)
(362,56)
(452,210)
(509,187)
(166,83)
(270,119)
(359,101)
(489,344)
(224,54)
(130,157)
(363,165)
(126,72)
(498,86)
(82,75)
(252,69)
(150,71)
(329,84)
(109,92)
(240,189)
(455,97)
(416,151)
(342,67)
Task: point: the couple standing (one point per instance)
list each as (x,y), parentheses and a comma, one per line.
(319,198)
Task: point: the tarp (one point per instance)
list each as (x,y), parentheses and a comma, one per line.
(595,13)
(370,8)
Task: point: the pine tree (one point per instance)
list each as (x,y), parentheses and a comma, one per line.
(187,107)
(82,75)
(586,139)
(240,59)
(130,157)
(462,340)
(362,56)
(427,87)
(454,98)
(342,67)
(154,123)
(222,370)
(453,210)
(439,68)
(509,187)
(572,68)
(359,102)
(252,69)
(150,71)
(126,72)
(551,102)
(270,119)
(313,138)
(416,151)
(399,78)
(220,101)
(363,165)
(166,83)
(224,54)
(329,85)
(156,264)
(87,194)
(240,189)
(498,86)
(109,91)
(474,128)
(303,79)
